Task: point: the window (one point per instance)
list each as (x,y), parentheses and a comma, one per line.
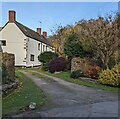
(39,46)
(31,57)
(43,48)
(3,43)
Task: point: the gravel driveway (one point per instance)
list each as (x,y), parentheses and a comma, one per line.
(71,100)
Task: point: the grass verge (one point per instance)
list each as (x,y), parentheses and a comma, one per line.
(41,76)
(66,76)
(19,100)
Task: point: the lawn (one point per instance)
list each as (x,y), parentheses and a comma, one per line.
(66,76)
(19,100)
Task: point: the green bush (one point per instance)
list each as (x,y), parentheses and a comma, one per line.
(76,74)
(45,66)
(111,77)
(46,57)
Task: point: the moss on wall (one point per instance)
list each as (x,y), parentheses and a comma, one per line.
(8,69)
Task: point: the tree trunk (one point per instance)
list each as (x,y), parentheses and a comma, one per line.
(105,62)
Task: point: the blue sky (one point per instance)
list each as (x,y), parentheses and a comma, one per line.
(31,13)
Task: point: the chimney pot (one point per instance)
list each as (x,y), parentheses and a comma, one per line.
(39,31)
(44,34)
(12,16)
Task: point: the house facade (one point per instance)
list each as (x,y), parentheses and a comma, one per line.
(23,42)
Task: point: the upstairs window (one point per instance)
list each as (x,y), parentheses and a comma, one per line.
(39,46)
(46,48)
(31,57)
(3,43)
(43,48)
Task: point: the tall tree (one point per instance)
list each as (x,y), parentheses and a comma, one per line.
(72,47)
(102,35)
(59,37)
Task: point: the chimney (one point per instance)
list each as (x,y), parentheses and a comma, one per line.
(39,31)
(44,34)
(12,16)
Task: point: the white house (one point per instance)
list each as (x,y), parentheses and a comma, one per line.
(23,42)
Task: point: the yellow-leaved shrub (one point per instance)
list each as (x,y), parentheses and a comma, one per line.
(110,77)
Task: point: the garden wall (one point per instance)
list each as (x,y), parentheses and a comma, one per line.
(8,74)
(8,69)
(79,64)
(89,67)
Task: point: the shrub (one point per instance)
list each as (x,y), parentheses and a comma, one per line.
(58,64)
(116,68)
(46,57)
(93,71)
(76,74)
(111,77)
(45,66)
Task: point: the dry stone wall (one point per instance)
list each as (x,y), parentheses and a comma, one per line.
(79,64)
(8,74)
(8,69)
(88,67)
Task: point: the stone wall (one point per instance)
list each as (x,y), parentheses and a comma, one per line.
(79,64)
(8,69)
(7,88)
(8,74)
(89,67)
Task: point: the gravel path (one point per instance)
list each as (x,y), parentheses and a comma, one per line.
(71,100)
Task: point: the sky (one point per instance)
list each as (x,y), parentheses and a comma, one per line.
(51,14)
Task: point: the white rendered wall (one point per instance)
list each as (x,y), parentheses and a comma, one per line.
(14,43)
(21,46)
(32,48)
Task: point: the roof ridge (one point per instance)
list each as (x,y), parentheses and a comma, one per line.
(31,33)
(25,26)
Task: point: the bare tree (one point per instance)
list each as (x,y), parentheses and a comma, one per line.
(103,36)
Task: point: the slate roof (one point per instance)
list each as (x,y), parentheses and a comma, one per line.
(0,48)
(32,34)
(0,28)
